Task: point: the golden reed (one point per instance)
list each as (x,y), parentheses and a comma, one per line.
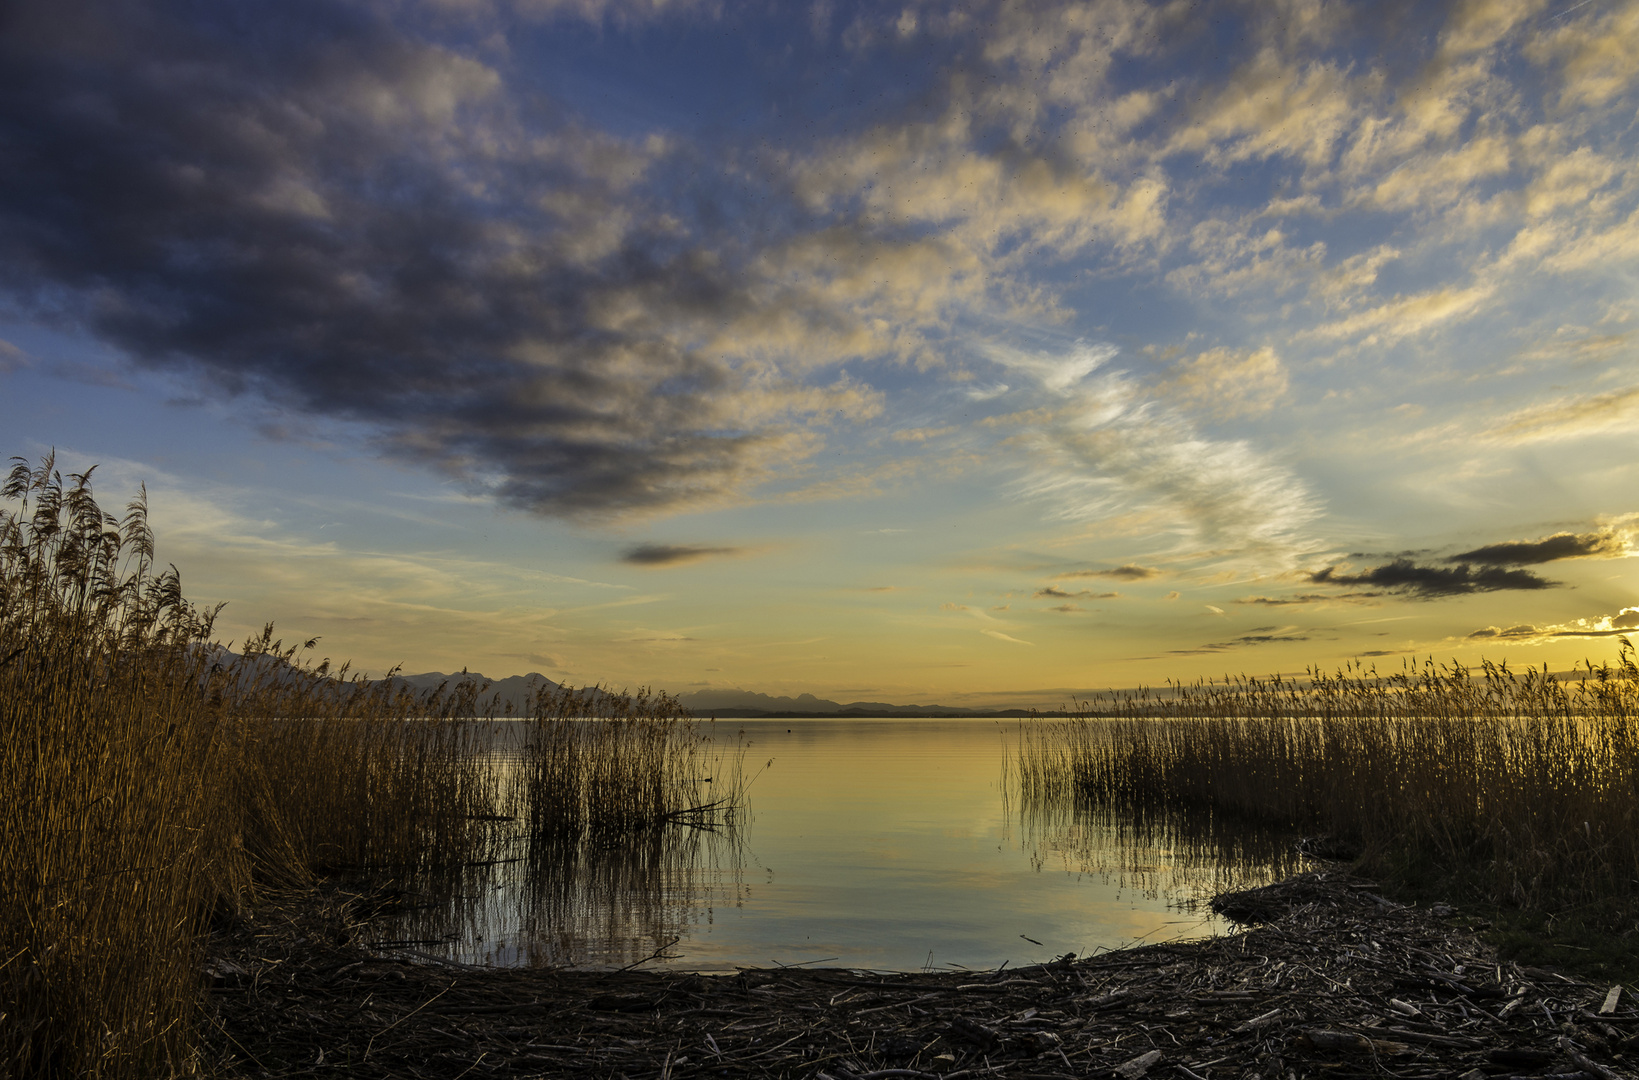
(1520,789)
(150,777)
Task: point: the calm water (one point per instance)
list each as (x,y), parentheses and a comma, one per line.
(882,844)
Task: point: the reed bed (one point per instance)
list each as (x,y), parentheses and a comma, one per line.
(1517,788)
(153,781)
(610,764)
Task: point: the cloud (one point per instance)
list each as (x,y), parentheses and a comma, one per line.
(1228,383)
(1054,593)
(921,434)
(11,358)
(1306,598)
(1523,630)
(999,636)
(386,219)
(985,393)
(335,213)
(675,554)
(1573,417)
(1406,316)
(1263,635)
(1428,582)
(1125,572)
(1231,259)
(1624,622)
(1105,447)
(1562,545)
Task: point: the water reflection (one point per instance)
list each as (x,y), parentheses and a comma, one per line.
(618,903)
(1180,858)
(567,887)
(880,844)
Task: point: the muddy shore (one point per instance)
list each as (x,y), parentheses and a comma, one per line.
(1328,979)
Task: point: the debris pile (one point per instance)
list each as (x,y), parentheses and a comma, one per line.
(1334,980)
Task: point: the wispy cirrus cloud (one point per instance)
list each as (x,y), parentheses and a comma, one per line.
(1572,417)
(1105,446)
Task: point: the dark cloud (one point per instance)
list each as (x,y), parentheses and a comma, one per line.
(673,554)
(1053,592)
(1523,630)
(1428,582)
(1561,545)
(1242,642)
(1306,598)
(312,204)
(1128,572)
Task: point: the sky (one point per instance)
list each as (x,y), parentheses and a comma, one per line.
(985,352)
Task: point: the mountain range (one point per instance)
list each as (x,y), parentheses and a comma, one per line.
(514,692)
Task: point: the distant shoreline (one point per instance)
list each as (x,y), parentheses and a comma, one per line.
(863,714)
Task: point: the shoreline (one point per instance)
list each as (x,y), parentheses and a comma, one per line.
(1337,981)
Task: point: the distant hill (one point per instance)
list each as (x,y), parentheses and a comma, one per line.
(515,691)
(746,705)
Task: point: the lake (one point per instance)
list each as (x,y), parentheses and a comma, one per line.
(879,844)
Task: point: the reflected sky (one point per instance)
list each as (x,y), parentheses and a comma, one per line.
(882,844)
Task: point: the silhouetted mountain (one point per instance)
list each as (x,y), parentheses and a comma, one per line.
(746,704)
(514,691)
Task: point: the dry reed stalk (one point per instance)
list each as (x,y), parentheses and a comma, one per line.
(149,778)
(1520,788)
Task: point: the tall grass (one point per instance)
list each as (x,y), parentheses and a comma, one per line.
(1516,787)
(107,845)
(610,764)
(150,777)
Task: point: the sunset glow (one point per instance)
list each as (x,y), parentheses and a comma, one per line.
(981,353)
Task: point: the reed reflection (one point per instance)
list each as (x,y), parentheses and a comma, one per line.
(620,832)
(590,903)
(1184,855)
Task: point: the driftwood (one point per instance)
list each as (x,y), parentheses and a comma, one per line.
(1337,982)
